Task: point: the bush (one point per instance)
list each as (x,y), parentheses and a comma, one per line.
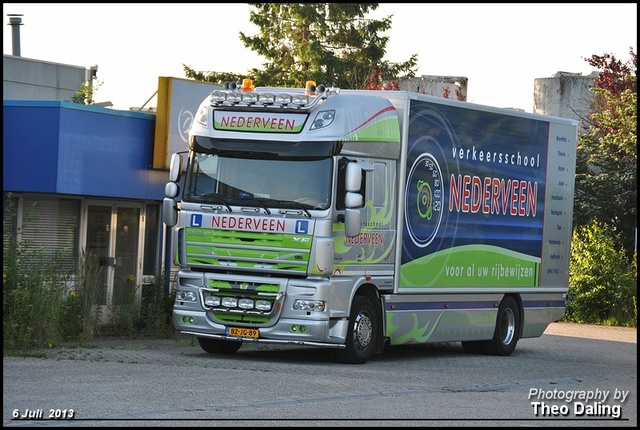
(602,282)
(81,320)
(156,310)
(44,303)
(32,300)
(33,286)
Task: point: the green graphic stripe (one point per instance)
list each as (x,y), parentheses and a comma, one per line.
(472,266)
(382,130)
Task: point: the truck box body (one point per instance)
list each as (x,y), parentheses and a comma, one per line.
(455,226)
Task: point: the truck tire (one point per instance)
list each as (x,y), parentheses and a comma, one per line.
(505,337)
(217,346)
(362,334)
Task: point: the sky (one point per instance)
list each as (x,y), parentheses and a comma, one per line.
(500,48)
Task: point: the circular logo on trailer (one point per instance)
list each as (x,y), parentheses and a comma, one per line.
(185,120)
(424,200)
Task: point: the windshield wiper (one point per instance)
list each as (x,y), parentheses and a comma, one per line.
(219,198)
(301,206)
(244,196)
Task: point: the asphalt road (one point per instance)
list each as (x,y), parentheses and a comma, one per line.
(573,376)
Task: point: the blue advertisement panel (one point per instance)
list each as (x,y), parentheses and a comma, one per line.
(474,198)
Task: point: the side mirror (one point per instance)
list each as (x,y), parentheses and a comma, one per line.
(169,212)
(352,222)
(353,177)
(175,167)
(171,190)
(352,200)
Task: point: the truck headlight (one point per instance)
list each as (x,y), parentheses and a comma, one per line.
(263,305)
(186,296)
(212,301)
(309,305)
(229,302)
(245,304)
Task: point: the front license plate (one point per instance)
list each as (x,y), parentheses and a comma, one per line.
(243,332)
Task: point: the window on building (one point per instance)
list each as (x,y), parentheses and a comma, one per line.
(51,224)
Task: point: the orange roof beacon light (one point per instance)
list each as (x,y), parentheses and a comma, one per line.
(310,88)
(247,85)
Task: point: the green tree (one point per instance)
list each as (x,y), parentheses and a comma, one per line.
(606,164)
(603,263)
(331,43)
(213,77)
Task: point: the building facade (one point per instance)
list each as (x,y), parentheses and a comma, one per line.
(78,180)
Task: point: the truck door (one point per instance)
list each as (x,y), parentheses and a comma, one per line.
(379,217)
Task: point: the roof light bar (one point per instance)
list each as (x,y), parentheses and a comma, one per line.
(234,95)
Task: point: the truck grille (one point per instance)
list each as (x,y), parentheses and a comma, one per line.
(247,251)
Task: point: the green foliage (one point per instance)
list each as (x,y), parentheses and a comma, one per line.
(330,43)
(607,153)
(147,316)
(606,170)
(213,77)
(84,95)
(45,305)
(123,312)
(602,286)
(32,293)
(81,316)
(603,275)
(156,309)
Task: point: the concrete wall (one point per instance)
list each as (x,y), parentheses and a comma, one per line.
(28,79)
(564,95)
(434,85)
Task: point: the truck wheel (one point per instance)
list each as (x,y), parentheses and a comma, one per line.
(217,346)
(505,337)
(362,334)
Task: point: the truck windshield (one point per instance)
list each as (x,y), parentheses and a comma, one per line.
(262,183)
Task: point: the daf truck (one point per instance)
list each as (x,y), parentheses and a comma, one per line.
(360,220)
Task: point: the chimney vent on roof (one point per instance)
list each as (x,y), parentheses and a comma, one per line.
(15,21)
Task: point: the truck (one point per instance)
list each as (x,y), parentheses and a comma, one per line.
(360,220)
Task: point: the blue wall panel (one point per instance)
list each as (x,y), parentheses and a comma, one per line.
(30,149)
(80,150)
